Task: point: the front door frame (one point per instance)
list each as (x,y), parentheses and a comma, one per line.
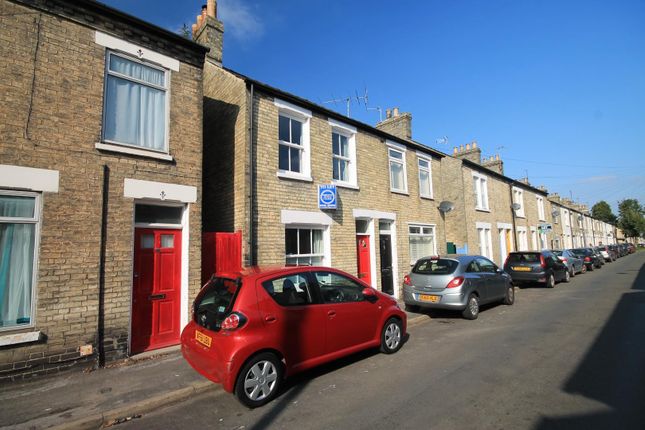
(395,257)
(184,229)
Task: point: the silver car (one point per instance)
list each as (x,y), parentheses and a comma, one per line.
(459,282)
(574,263)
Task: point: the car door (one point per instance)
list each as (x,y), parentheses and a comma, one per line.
(558,267)
(295,324)
(351,320)
(492,281)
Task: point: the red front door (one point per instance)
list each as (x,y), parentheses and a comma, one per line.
(156,289)
(363,258)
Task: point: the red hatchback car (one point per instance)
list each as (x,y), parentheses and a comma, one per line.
(250,330)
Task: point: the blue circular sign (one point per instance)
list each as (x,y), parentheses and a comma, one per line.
(327,197)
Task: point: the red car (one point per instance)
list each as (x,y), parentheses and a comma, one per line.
(250,330)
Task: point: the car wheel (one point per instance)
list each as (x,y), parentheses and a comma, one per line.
(412,308)
(591,268)
(583,269)
(567,276)
(509,298)
(550,281)
(259,380)
(472,308)
(572,272)
(392,336)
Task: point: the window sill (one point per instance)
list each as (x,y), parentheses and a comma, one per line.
(427,197)
(346,185)
(482,210)
(403,193)
(520,216)
(132,151)
(18,338)
(294,176)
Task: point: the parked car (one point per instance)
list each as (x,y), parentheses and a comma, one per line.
(606,253)
(614,250)
(600,257)
(457,282)
(542,267)
(573,262)
(252,329)
(589,257)
(631,248)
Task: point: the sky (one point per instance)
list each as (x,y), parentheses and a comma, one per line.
(556,88)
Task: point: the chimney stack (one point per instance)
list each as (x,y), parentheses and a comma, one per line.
(209,32)
(396,123)
(470,153)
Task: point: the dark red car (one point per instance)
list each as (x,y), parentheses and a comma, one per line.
(252,329)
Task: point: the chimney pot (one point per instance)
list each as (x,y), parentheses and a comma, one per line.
(461,148)
(388,113)
(468,147)
(395,112)
(455,150)
(474,144)
(211,9)
(200,19)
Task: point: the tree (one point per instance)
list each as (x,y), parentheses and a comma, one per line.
(602,211)
(631,218)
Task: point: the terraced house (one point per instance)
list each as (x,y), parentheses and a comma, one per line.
(100,177)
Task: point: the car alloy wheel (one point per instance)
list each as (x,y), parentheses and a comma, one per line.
(391,336)
(509,298)
(550,283)
(472,308)
(567,276)
(259,380)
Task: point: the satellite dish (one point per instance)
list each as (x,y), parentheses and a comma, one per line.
(516,206)
(446,206)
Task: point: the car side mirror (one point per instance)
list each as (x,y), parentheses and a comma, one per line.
(499,270)
(370,294)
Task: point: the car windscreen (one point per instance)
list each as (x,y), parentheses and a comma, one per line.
(581,251)
(441,266)
(215,301)
(558,253)
(524,257)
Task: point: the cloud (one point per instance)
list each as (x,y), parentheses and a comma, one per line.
(239,20)
(595,179)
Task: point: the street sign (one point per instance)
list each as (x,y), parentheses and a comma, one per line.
(545,227)
(327,196)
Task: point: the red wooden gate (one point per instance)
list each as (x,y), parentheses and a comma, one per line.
(221,252)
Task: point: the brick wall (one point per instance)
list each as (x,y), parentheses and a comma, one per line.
(51,97)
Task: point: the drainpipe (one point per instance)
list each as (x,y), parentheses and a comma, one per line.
(252,242)
(100,329)
(510,189)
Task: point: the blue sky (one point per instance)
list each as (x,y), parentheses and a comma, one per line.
(557,88)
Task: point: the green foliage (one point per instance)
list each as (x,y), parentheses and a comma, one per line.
(602,211)
(631,218)
(185,31)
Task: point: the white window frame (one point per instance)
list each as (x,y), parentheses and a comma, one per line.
(485,237)
(126,147)
(534,239)
(302,115)
(518,197)
(37,221)
(324,231)
(540,207)
(480,184)
(426,159)
(522,239)
(422,227)
(391,146)
(350,133)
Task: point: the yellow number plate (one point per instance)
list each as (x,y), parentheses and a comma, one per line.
(428,298)
(521,269)
(203,339)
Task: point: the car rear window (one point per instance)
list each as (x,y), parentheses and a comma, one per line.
(524,257)
(441,266)
(215,302)
(581,251)
(558,253)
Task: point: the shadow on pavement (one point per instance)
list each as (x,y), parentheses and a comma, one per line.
(613,371)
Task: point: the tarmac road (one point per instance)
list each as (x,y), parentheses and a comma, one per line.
(568,358)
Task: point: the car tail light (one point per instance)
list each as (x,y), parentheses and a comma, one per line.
(587,259)
(233,321)
(506,261)
(455,282)
(564,260)
(542,262)
(407,281)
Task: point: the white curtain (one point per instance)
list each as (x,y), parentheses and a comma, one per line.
(135,113)
(16,261)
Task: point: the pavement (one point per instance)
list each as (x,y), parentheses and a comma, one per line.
(100,398)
